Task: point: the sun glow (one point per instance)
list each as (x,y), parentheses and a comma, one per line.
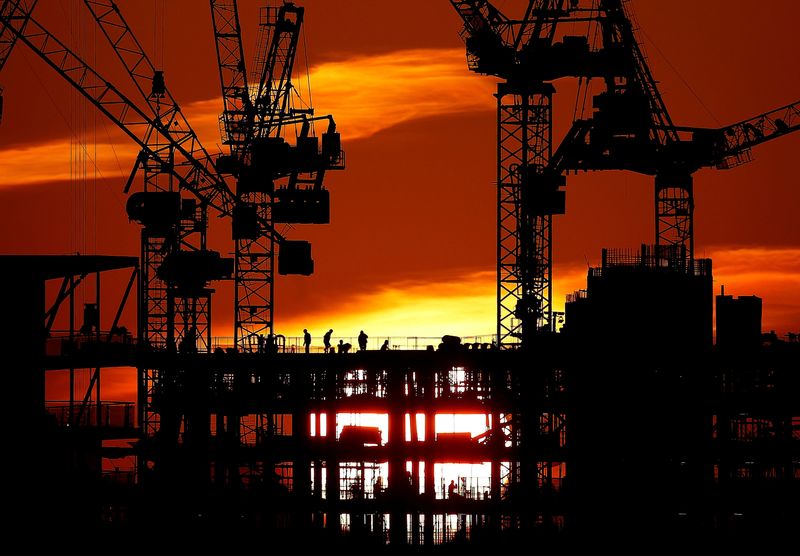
(471,480)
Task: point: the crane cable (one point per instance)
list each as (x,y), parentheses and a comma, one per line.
(584,83)
(680,77)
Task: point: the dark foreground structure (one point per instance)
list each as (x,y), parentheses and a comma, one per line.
(601,429)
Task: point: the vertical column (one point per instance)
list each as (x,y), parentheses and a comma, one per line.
(413,389)
(428,376)
(301,463)
(331,460)
(398,481)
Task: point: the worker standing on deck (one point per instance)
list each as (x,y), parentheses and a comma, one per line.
(362,341)
(385,346)
(306,340)
(451,489)
(326,339)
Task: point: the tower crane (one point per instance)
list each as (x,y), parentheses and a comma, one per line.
(275,181)
(631,129)
(526,57)
(164,237)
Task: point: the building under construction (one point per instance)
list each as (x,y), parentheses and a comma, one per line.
(697,440)
(628,420)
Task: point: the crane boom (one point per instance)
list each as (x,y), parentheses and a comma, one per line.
(480,16)
(619,36)
(736,140)
(275,83)
(8,38)
(232,75)
(198,176)
(151,86)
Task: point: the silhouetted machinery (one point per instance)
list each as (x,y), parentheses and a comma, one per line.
(630,130)
(191,271)
(277,182)
(159,210)
(295,258)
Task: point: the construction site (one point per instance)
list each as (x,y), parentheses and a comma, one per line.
(652,404)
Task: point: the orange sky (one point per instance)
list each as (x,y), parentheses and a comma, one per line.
(410,251)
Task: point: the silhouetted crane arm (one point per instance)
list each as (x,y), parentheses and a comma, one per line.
(198,176)
(7,38)
(480,16)
(736,139)
(116,106)
(149,82)
(275,84)
(545,15)
(488,36)
(568,155)
(232,74)
(618,34)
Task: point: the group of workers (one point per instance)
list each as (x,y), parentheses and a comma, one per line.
(342,347)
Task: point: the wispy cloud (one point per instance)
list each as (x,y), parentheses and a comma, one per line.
(366,94)
(372,93)
(59,161)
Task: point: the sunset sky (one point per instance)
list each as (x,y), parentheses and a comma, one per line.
(411,247)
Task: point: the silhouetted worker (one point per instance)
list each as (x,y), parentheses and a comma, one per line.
(344,348)
(326,339)
(385,346)
(306,340)
(362,341)
(451,489)
(269,345)
(189,341)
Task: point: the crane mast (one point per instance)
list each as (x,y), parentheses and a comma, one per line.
(528,197)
